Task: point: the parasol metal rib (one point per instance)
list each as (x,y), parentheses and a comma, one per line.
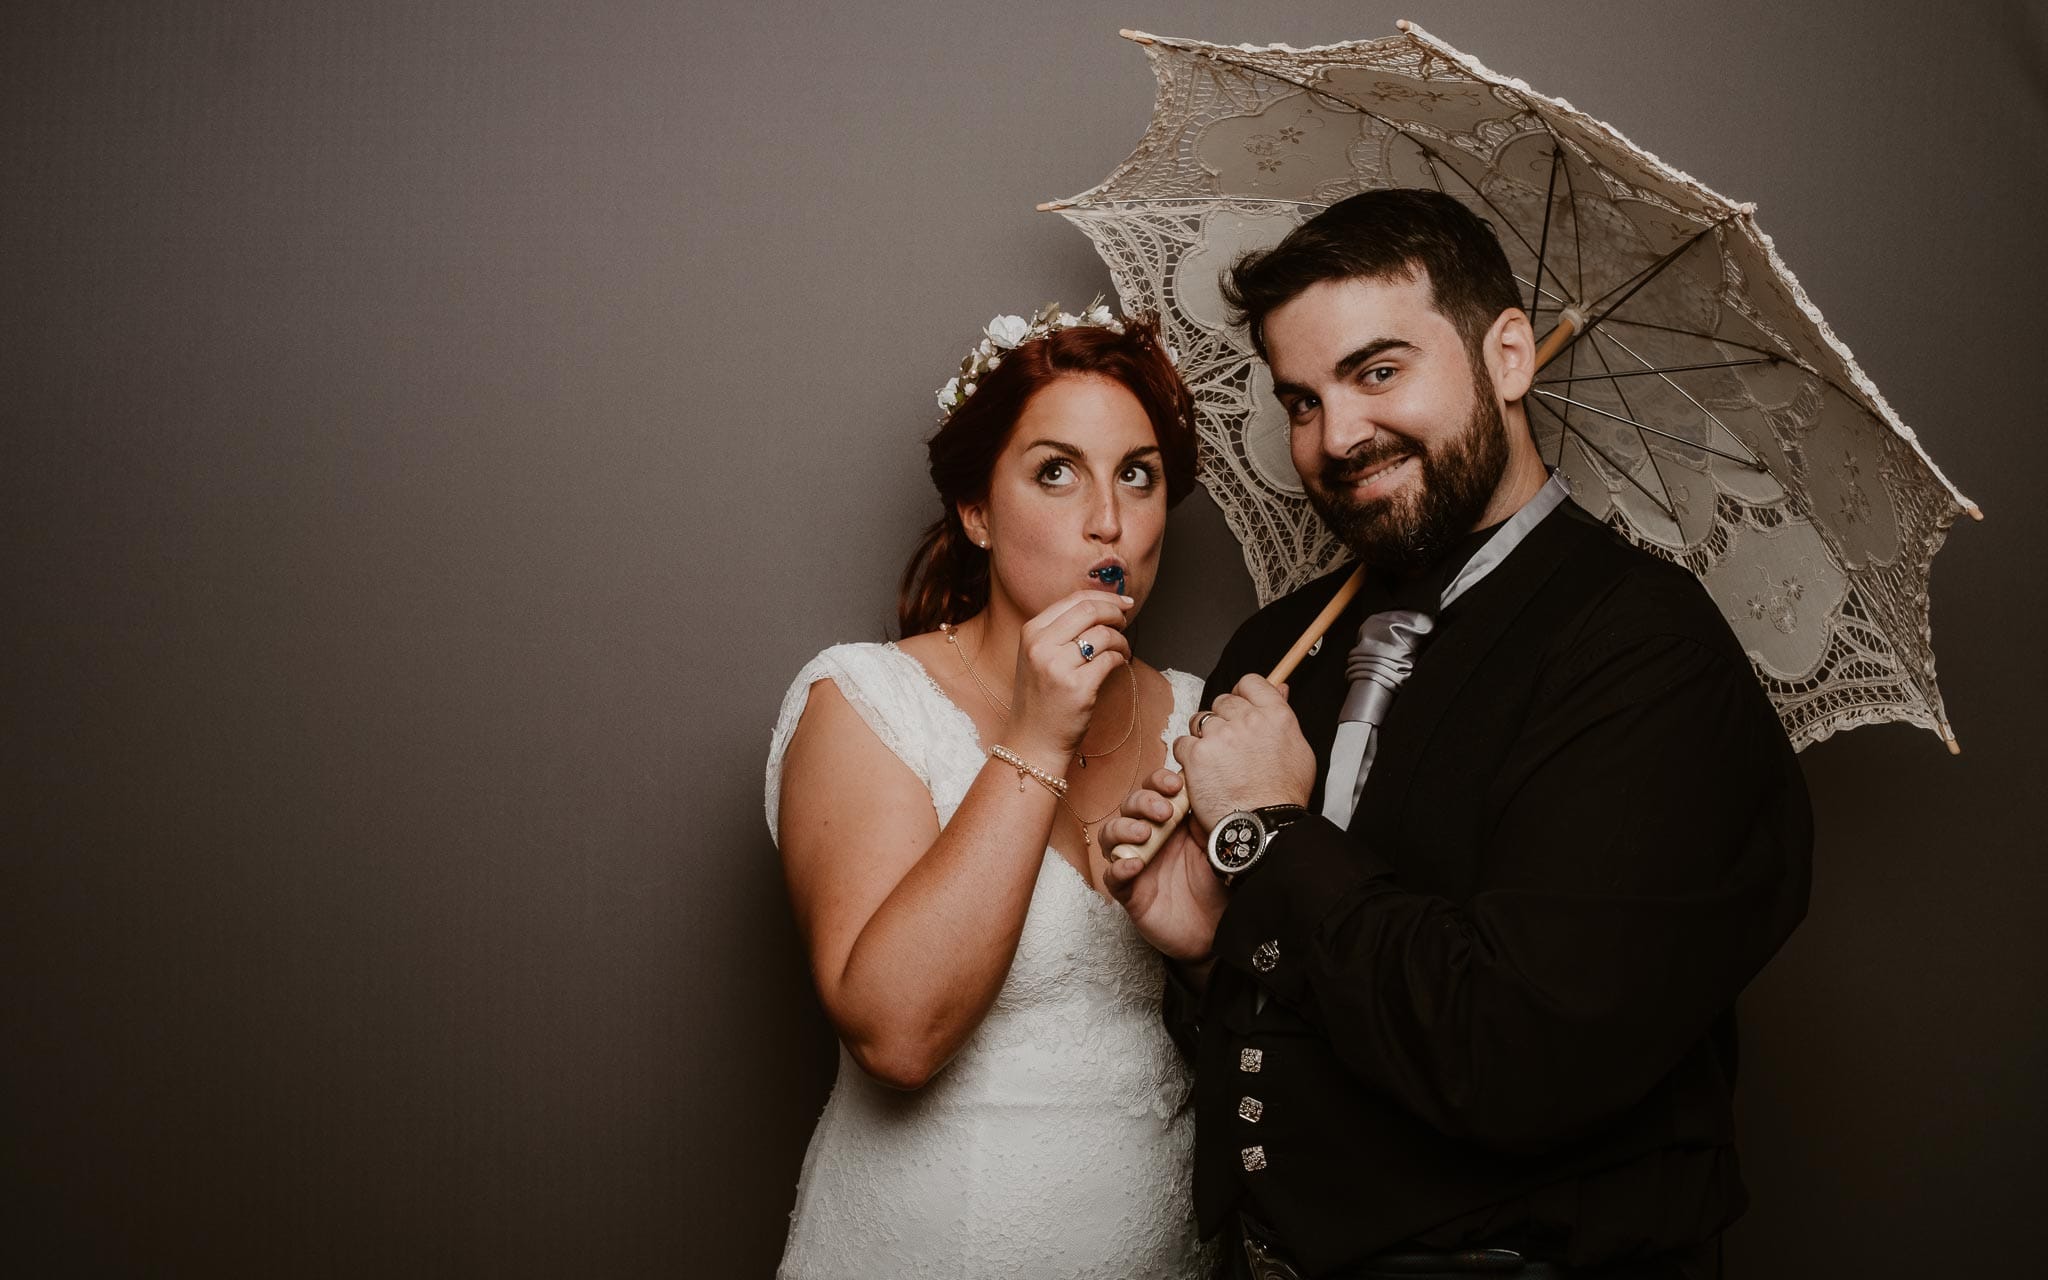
(1621,393)
(1718,339)
(1607,336)
(1751,463)
(1629,288)
(1643,373)
(1542,293)
(1602,454)
(1543,241)
(1571,368)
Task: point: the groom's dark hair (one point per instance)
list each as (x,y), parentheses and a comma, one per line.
(1382,235)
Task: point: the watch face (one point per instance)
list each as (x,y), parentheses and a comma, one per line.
(1237,844)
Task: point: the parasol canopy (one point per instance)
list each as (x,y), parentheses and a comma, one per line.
(1695,399)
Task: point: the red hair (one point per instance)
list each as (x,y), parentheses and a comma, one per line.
(947,577)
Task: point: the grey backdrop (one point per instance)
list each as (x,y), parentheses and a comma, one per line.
(436,433)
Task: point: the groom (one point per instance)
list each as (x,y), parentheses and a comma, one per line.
(1501,854)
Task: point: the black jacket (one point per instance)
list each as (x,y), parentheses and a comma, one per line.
(1502,1005)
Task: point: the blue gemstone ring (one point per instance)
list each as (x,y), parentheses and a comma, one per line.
(1087,650)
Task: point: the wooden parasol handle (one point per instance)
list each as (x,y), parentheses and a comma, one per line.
(1281,670)
(1569,325)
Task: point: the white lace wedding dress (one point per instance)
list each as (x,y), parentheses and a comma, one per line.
(1056,1143)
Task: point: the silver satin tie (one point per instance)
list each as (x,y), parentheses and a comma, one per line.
(1380,662)
(1385,655)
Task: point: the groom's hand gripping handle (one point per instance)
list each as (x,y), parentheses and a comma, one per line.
(1281,671)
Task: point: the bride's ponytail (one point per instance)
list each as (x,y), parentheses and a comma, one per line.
(945,581)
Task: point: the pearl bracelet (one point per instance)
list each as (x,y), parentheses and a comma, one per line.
(1024,768)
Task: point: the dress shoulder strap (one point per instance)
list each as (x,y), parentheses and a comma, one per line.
(891,693)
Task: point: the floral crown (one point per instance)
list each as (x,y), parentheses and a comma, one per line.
(1006,333)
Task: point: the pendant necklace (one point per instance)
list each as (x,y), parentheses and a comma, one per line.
(1082,757)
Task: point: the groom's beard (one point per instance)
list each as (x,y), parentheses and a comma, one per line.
(1404,532)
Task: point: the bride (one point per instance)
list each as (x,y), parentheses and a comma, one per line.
(1008,1101)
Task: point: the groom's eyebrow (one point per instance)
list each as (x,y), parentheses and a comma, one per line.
(1349,365)
(1369,352)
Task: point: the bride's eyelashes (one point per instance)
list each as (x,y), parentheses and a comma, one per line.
(1056,472)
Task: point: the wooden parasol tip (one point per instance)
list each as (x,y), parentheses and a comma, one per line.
(1048,206)
(1404,24)
(1138,36)
(1954,748)
(1976,512)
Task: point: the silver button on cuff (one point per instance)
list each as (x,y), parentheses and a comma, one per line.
(1249,1109)
(1267,956)
(1254,1159)
(1251,1059)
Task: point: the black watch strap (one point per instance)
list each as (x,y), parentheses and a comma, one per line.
(1276,816)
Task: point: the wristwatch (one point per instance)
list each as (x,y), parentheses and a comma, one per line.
(1237,842)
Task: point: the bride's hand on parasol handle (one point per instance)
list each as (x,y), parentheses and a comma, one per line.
(1175,900)
(1281,671)
(1160,832)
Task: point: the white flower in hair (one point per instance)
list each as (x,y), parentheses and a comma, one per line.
(1008,331)
(1172,355)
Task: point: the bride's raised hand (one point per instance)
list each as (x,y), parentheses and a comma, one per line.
(1056,686)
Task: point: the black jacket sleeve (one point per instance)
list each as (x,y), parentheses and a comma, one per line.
(1650,851)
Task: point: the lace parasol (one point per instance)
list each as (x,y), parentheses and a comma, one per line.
(1702,407)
